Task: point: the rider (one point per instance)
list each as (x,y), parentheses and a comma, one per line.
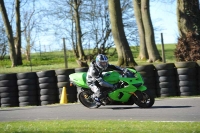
(94,76)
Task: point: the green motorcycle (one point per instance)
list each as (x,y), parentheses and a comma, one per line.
(130,89)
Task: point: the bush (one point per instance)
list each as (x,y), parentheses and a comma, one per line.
(188,48)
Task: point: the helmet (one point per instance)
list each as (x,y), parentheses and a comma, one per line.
(102,61)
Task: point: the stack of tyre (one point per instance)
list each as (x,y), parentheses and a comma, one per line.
(148,74)
(81,69)
(166,80)
(8,90)
(63,81)
(27,86)
(48,90)
(187,78)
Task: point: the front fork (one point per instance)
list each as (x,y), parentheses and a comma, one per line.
(138,96)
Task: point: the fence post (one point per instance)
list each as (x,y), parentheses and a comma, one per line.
(163,49)
(65,55)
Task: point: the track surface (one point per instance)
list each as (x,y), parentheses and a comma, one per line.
(176,109)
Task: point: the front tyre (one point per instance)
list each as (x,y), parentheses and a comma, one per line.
(86,99)
(147,100)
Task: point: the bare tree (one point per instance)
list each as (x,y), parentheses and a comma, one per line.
(3,43)
(125,57)
(143,54)
(76,5)
(29,24)
(94,29)
(18,33)
(69,12)
(9,33)
(94,25)
(100,32)
(146,31)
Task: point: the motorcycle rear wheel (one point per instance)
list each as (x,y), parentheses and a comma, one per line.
(147,101)
(86,99)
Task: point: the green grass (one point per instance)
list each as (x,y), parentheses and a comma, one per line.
(55,60)
(169,52)
(98,126)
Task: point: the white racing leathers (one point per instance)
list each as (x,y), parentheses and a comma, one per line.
(95,80)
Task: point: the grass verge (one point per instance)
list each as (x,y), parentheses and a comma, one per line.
(98,126)
(55,60)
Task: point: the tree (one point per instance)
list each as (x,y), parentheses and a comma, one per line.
(188,17)
(84,23)
(30,23)
(143,54)
(146,32)
(69,12)
(76,4)
(100,27)
(3,42)
(18,33)
(188,47)
(125,57)
(95,27)
(14,42)
(9,33)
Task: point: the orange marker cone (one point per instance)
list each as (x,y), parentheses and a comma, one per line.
(63,99)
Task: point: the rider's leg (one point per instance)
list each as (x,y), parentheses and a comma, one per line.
(97,93)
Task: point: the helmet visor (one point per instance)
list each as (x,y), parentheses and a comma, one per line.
(103,64)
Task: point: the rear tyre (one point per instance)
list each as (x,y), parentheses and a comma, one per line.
(147,100)
(86,99)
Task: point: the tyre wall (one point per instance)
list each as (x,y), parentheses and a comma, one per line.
(63,81)
(45,87)
(8,90)
(166,80)
(27,89)
(148,74)
(187,74)
(48,90)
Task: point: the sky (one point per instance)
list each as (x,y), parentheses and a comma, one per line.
(163,15)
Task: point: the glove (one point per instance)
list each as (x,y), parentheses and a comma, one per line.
(115,86)
(125,70)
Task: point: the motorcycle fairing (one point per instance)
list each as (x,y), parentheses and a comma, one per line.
(123,94)
(79,79)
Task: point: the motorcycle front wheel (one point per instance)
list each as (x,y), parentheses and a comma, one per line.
(147,100)
(86,99)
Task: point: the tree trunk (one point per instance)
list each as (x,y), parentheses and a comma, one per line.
(78,30)
(18,33)
(74,45)
(188,17)
(28,48)
(149,32)
(143,55)
(9,33)
(125,57)
(188,45)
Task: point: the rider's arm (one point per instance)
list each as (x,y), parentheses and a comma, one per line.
(113,67)
(100,80)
